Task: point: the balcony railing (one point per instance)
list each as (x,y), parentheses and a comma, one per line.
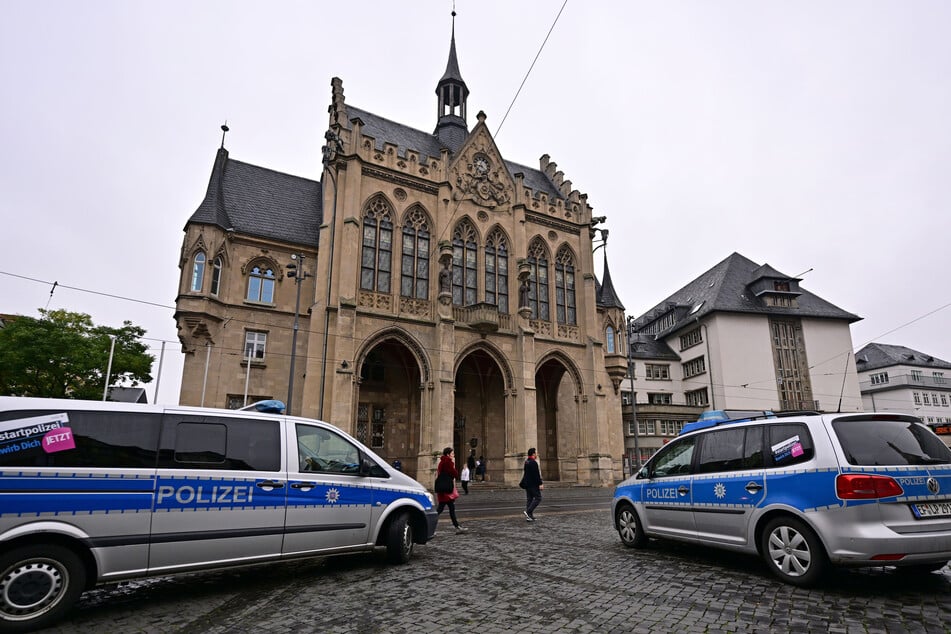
(906,380)
(793,406)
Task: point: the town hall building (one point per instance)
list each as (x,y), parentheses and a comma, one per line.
(424,292)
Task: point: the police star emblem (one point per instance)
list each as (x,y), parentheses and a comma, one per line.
(719,490)
(333,496)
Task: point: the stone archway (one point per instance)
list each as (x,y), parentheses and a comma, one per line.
(558,419)
(479,411)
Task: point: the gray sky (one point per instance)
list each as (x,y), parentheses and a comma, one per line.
(803,134)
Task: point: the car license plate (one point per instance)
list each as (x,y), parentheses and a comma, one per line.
(936,509)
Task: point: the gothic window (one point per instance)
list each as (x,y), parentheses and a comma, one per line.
(565,287)
(464,271)
(198,271)
(609,339)
(497,271)
(414,271)
(538,281)
(216,275)
(261,284)
(376,262)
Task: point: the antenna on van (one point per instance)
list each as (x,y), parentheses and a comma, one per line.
(838,410)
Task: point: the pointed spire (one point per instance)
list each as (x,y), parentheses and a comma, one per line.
(452,92)
(608,296)
(452,66)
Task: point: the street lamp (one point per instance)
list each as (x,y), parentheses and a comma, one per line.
(630,376)
(296,270)
(112,349)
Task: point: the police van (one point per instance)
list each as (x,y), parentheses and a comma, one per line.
(96,492)
(803,491)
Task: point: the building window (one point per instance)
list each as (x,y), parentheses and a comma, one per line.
(658,398)
(917,398)
(414,272)
(879,378)
(657,371)
(690,339)
(626,398)
(261,285)
(916,376)
(198,271)
(944,400)
(254,344)
(609,339)
(670,427)
(934,398)
(926,398)
(792,367)
(464,267)
(565,288)
(377,427)
(697,397)
(938,378)
(694,367)
(538,281)
(497,271)
(377,258)
(646,428)
(216,276)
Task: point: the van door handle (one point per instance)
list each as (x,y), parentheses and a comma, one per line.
(270,484)
(753,487)
(307,486)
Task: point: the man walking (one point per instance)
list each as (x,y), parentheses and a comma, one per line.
(532,478)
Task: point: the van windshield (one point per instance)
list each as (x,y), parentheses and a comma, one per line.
(890,442)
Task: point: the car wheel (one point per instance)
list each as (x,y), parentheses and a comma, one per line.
(38,584)
(399,539)
(793,552)
(629,527)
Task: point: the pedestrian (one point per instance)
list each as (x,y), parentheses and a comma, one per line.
(445,487)
(471,462)
(533,485)
(480,468)
(464,478)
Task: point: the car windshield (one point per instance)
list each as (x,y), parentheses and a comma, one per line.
(869,442)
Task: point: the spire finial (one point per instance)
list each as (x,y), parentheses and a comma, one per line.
(224,131)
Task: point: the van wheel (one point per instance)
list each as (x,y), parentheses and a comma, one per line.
(38,585)
(793,552)
(629,527)
(399,540)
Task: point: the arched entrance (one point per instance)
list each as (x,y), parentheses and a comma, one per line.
(556,405)
(388,403)
(479,412)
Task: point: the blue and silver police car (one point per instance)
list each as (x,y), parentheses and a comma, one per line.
(803,492)
(99,492)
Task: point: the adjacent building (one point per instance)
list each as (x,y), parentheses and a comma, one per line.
(741,336)
(423,291)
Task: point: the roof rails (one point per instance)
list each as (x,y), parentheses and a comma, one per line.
(707,420)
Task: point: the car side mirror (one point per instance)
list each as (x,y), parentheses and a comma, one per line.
(642,474)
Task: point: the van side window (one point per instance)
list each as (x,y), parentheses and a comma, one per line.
(788,444)
(321,450)
(674,459)
(721,451)
(209,442)
(90,439)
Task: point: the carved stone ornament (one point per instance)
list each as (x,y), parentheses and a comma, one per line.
(481,182)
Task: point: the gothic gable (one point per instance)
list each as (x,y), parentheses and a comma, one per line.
(478,172)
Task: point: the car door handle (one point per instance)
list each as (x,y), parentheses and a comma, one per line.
(270,484)
(307,486)
(683,490)
(753,487)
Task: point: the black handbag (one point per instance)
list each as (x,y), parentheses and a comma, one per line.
(444,483)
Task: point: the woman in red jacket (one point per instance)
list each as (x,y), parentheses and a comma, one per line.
(446,493)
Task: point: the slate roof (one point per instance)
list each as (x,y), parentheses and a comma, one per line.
(605,294)
(261,202)
(882,355)
(723,288)
(648,347)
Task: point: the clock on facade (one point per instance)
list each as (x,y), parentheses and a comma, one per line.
(481,164)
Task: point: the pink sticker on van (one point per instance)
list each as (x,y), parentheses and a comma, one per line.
(59,439)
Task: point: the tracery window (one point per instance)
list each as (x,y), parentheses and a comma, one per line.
(538,281)
(198,271)
(609,339)
(261,285)
(414,270)
(216,275)
(464,270)
(565,288)
(497,271)
(376,262)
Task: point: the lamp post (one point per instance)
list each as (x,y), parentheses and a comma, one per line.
(630,376)
(112,349)
(296,270)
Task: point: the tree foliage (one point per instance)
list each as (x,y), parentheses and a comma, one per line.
(64,355)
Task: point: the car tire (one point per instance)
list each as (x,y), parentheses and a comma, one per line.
(38,585)
(793,552)
(629,527)
(399,540)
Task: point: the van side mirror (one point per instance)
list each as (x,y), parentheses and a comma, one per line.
(642,473)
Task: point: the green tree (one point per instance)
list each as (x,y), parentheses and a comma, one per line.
(64,355)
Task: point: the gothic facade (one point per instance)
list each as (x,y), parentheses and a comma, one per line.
(424,292)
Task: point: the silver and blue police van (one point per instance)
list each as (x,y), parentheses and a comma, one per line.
(95,493)
(803,491)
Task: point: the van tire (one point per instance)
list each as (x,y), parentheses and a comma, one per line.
(793,552)
(399,539)
(38,585)
(629,527)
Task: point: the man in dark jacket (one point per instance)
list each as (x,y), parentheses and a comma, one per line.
(532,478)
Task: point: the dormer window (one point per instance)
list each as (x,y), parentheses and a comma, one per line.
(781,286)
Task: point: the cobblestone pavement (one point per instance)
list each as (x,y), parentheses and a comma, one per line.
(567,572)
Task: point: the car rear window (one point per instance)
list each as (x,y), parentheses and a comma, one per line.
(868,442)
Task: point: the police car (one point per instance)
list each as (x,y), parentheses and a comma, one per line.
(803,491)
(100,492)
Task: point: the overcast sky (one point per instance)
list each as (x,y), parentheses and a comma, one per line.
(802,134)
